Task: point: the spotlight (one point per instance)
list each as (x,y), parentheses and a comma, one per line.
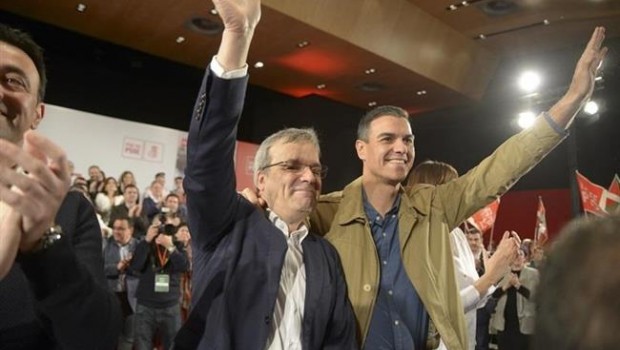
(526,119)
(591,108)
(529,81)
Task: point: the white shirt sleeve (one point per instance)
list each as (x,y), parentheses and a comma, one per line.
(219,71)
(466,274)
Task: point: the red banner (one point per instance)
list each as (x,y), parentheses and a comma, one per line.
(484,219)
(594,198)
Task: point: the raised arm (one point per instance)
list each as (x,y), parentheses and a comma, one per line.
(519,154)
(210,176)
(582,85)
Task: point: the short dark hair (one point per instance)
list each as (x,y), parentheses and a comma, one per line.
(24,42)
(130,221)
(173,195)
(381,111)
(582,267)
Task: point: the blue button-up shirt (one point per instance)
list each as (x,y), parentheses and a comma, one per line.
(399,319)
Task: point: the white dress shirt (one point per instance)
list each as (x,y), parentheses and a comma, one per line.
(288,315)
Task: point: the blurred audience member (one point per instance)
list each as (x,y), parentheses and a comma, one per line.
(154,200)
(578,304)
(95,180)
(159,260)
(131,208)
(117,256)
(107,198)
(126,178)
(515,311)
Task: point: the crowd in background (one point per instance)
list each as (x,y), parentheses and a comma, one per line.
(146,252)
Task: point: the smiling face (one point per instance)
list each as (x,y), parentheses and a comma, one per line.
(292,195)
(388,153)
(20,108)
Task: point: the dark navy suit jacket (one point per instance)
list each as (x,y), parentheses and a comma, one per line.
(239,253)
(59,299)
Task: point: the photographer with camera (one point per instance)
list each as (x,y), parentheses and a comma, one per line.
(160,261)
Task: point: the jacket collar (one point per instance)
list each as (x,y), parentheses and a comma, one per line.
(352,205)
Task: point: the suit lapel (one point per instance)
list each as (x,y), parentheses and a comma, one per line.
(313,263)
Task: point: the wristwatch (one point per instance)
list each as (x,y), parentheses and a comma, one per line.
(50,237)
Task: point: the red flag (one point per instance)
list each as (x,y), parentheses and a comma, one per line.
(612,204)
(484,219)
(594,198)
(540,233)
(615,185)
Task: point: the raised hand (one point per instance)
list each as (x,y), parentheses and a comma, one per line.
(588,65)
(37,192)
(238,16)
(253,197)
(582,84)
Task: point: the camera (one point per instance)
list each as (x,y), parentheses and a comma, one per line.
(164,228)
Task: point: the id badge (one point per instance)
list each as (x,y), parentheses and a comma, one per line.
(162,283)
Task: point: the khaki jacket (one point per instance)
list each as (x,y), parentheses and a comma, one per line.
(426,216)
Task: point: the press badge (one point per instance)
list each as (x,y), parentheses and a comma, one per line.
(162,283)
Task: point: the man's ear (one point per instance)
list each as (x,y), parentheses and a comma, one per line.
(260,182)
(360,147)
(40,112)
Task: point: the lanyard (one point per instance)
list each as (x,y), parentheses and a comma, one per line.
(162,255)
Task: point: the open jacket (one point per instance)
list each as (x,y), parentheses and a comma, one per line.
(426,216)
(526,308)
(238,253)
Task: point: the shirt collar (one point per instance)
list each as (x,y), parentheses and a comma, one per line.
(372,214)
(300,233)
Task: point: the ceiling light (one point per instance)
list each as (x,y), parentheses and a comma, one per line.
(529,81)
(259,64)
(303,44)
(213,12)
(482,36)
(546,22)
(526,119)
(81,8)
(421,92)
(205,25)
(591,108)
(452,7)
(372,104)
(321,86)
(180,39)
(465,3)
(370,71)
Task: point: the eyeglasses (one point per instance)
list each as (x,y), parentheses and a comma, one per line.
(296,168)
